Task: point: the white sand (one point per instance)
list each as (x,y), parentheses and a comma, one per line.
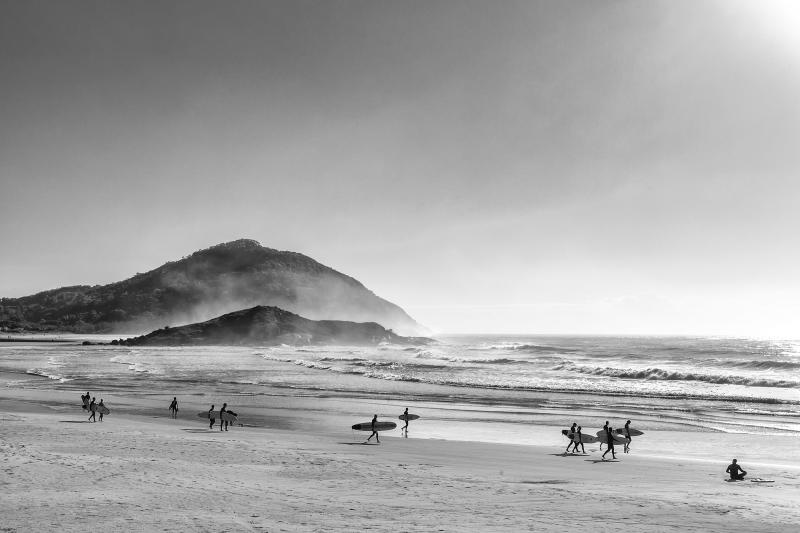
(137,473)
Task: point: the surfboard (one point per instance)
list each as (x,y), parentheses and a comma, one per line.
(228,417)
(379,426)
(618,439)
(410,417)
(586,439)
(102,409)
(633,432)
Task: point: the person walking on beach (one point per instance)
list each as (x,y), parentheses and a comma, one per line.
(605,429)
(374,430)
(578,439)
(736,472)
(571,435)
(173,407)
(221,417)
(92,407)
(100,408)
(610,442)
(211,417)
(627,433)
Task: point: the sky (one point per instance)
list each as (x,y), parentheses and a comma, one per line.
(598,167)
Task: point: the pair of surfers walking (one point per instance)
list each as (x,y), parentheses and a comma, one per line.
(374,422)
(222,410)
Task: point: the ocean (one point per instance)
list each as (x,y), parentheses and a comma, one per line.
(487,387)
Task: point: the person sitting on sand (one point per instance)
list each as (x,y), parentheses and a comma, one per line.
(211,417)
(578,439)
(736,472)
(571,435)
(374,430)
(173,407)
(627,432)
(100,408)
(610,442)
(92,407)
(221,420)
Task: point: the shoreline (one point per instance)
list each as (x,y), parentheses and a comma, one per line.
(296,473)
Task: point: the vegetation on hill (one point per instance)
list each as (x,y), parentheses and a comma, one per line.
(269,326)
(221,279)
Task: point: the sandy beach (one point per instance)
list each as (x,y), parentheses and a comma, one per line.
(152,473)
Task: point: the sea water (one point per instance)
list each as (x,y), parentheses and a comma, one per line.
(480,387)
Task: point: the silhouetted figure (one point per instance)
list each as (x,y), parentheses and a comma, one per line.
(100,408)
(221,421)
(173,407)
(605,428)
(736,472)
(92,407)
(610,442)
(211,418)
(578,439)
(627,433)
(571,435)
(374,430)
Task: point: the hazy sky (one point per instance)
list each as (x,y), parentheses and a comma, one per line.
(543,167)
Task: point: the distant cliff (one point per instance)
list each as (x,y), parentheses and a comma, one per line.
(224,278)
(268,326)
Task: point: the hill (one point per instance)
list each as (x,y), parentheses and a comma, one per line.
(211,282)
(270,325)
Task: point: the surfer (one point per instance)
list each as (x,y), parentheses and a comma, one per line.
(571,436)
(578,439)
(222,418)
(627,433)
(605,428)
(173,407)
(609,442)
(92,407)
(374,430)
(211,417)
(405,417)
(100,408)
(736,472)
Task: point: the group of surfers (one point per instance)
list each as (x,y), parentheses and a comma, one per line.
(606,436)
(92,406)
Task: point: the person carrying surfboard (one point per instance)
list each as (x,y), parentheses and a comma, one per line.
(92,407)
(374,430)
(609,443)
(627,447)
(173,407)
(211,417)
(571,436)
(578,439)
(222,417)
(736,472)
(605,428)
